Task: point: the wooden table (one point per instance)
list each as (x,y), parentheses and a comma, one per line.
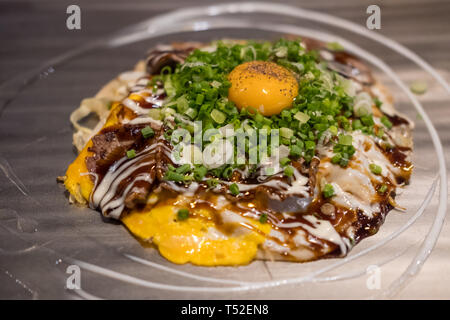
(34,31)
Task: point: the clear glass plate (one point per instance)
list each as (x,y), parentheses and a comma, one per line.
(42,235)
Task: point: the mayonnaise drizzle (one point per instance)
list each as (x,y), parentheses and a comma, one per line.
(323,229)
(131,104)
(105,191)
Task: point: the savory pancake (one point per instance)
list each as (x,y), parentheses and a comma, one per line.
(224,152)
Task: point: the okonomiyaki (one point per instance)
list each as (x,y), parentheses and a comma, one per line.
(225,152)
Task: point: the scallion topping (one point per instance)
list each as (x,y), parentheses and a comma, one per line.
(382,189)
(376,169)
(191,113)
(218,116)
(295,151)
(183,214)
(289,171)
(147,132)
(384,120)
(286,133)
(183,169)
(131,154)
(155,113)
(263,218)
(345,140)
(419,87)
(328,191)
(234,189)
(323,110)
(174,176)
(227,172)
(212,182)
(285,161)
(200,172)
(301,117)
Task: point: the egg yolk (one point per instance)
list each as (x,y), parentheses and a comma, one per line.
(262,85)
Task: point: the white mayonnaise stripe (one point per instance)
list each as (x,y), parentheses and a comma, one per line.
(347,200)
(141,120)
(324,230)
(130,104)
(119,204)
(103,187)
(118,179)
(148,96)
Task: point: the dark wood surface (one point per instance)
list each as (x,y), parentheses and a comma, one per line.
(35,31)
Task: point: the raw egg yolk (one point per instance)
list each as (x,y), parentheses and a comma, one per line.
(262,85)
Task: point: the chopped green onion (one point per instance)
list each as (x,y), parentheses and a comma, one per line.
(367,120)
(326,104)
(155,113)
(183,214)
(218,116)
(384,120)
(182,104)
(380,133)
(259,118)
(191,113)
(263,218)
(212,182)
(227,172)
(131,154)
(286,133)
(199,99)
(328,191)
(147,132)
(183,168)
(356,124)
(168,87)
(284,161)
(343,162)
(336,158)
(168,111)
(295,151)
(382,189)
(310,145)
(378,102)
(376,169)
(200,172)
(174,176)
(301,117)
(289,171)
(418,87)
(216,84)
(361,112)
(234,189)
(333,130)
(335,46)
(267,128)
(345,140)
